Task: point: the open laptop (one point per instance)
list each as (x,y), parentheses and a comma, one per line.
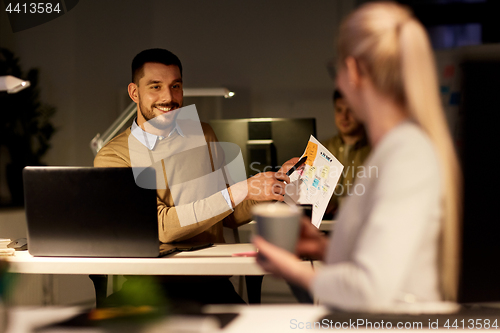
(92,212)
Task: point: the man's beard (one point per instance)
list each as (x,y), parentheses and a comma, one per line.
(149,114)
(162,121)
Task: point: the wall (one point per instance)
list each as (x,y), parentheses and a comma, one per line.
(273,54)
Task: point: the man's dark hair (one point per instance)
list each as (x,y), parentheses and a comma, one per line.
(336,95)
(161,56)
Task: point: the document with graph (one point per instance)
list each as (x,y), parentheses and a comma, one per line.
(315,182)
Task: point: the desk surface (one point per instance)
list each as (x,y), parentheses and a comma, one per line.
(326,225)
(217,260)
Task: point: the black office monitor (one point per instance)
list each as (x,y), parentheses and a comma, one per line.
(480,277)
(266,143)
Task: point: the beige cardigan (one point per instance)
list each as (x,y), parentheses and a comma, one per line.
(116,154)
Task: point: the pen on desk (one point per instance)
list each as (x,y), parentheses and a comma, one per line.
(296,166)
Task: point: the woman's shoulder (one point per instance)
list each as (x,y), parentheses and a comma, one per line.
(407,147)
(407,138)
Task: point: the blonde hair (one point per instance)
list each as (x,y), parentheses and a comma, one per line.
(393,49)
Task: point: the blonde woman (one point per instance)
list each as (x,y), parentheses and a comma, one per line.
(397,243)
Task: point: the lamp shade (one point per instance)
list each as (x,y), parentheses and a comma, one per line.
(206,92)
(12,84)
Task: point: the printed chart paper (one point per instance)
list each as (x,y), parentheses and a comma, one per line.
(315,182)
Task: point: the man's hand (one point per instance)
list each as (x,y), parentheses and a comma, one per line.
(267,186)
(287,166)
(263,186)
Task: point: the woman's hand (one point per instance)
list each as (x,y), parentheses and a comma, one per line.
(282,263)
(312,243)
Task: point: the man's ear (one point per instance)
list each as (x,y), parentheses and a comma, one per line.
(133,92)
(353,71)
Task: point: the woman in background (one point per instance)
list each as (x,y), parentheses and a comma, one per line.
(398,242)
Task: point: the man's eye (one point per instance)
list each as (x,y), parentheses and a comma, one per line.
(176,86)
(155,87)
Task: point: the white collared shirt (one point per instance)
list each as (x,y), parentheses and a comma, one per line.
(149,141)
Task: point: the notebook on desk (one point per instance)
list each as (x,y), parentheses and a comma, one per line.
(92,212)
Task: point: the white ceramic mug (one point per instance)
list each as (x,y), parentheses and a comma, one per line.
(278,223)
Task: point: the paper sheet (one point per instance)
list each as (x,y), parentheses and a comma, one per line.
(315,182)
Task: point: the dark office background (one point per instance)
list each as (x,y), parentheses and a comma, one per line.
(272,54)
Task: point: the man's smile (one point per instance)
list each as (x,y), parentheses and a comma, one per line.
(165,109)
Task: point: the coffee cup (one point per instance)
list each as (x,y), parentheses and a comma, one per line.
(278,223)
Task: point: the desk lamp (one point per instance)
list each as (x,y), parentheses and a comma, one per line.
(100,140)
(12,84)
